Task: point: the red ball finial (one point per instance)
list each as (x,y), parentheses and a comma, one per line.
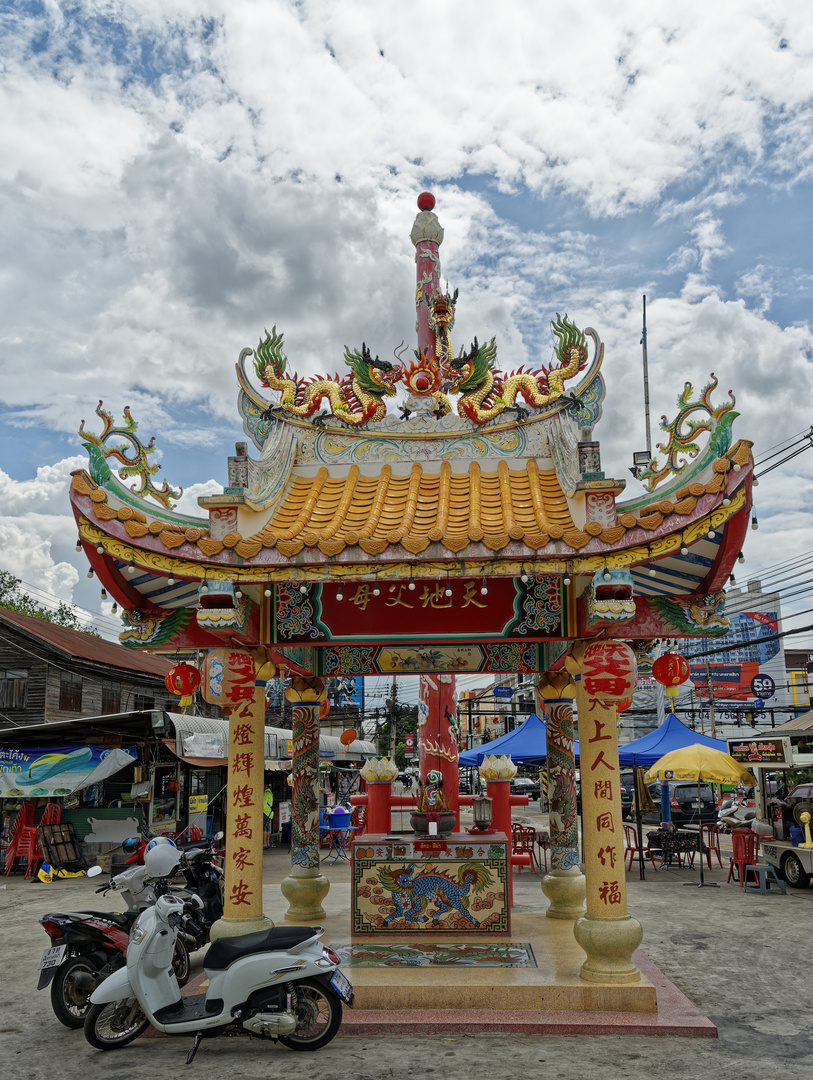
(426,201)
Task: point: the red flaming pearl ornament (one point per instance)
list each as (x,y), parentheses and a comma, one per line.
(183,680)
(426,201)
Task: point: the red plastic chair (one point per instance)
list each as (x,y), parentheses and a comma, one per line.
(745,844)
(710,838)
(20,838)
(52,814)
(631,847)
(522,846)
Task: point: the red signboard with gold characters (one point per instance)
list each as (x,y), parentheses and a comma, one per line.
(467,609)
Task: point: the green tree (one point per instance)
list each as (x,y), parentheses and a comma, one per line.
(12,597)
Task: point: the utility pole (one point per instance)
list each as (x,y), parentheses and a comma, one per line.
(393,704)
(711,700)
(646,384)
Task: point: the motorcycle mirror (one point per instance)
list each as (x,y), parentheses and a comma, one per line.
(219,835)
(94,871)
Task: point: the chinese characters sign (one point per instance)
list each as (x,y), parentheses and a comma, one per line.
(419,610)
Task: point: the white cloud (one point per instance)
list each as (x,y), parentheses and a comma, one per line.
(177,175)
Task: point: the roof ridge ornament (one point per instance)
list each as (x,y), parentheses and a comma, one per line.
(719,425)
(131,465)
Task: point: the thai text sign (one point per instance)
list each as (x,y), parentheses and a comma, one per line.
(762,752)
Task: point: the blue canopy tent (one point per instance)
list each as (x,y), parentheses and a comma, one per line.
(671,735)
(526,744)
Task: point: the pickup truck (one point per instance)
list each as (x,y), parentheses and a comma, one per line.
(795,864)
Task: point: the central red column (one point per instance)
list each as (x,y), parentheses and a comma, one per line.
(437,735)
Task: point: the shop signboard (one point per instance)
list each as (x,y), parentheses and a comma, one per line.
(762,752)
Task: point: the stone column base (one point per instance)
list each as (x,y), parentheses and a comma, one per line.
(226,927)
(566,891)
(304,896)
(609,944)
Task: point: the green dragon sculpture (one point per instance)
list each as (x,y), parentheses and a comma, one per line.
(357,399)
(486,393)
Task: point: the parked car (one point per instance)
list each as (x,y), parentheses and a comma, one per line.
(684,804)
(627,792)
(524,785)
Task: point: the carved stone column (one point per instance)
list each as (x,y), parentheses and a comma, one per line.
(235,680)
(607,933)
(564,886)
(305,887)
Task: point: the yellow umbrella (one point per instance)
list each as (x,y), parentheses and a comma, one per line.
(699,762)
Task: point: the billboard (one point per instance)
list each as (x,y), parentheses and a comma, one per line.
(734,671)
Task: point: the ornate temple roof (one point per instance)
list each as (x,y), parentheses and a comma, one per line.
(483,473)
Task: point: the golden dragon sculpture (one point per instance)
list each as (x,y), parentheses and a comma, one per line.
(356,399)
(486,393)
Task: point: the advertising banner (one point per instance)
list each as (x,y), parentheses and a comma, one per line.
(58,770)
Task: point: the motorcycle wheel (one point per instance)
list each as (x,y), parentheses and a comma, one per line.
(115,1023)
(794,873)
(70,1002)
(318,1012)
(180,962)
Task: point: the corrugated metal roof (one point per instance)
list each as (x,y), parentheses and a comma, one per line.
(75,644)
(203,726)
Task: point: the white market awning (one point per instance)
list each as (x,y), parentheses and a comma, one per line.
(204,741)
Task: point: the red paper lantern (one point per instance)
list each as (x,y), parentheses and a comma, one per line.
(609,671)
(183,680)
(670,670)
(623,704)
(324,709)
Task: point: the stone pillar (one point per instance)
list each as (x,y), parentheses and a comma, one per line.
(437,734)
(305,887)
(564,886)
(232,680)
(607,933)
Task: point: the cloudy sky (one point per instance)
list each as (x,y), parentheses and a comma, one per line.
(177,175)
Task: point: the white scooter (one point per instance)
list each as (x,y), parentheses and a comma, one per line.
(277,984)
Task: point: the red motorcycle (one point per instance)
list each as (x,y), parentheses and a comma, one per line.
(87,946)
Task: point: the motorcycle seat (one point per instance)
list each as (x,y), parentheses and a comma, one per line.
(123,919)
(225,951)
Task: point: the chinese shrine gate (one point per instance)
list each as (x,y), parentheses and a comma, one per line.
(470,529)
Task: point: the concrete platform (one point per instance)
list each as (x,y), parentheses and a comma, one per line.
(553,984)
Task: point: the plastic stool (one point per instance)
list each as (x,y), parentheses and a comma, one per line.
(766,878)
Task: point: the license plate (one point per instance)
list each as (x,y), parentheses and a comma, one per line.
(341,984)
(697,805)
(53,957)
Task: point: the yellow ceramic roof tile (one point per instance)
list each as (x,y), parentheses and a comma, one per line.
(422,507)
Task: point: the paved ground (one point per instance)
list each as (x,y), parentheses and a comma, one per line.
(744,959)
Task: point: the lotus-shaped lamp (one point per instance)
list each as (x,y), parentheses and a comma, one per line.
(497,767)
(379,770)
